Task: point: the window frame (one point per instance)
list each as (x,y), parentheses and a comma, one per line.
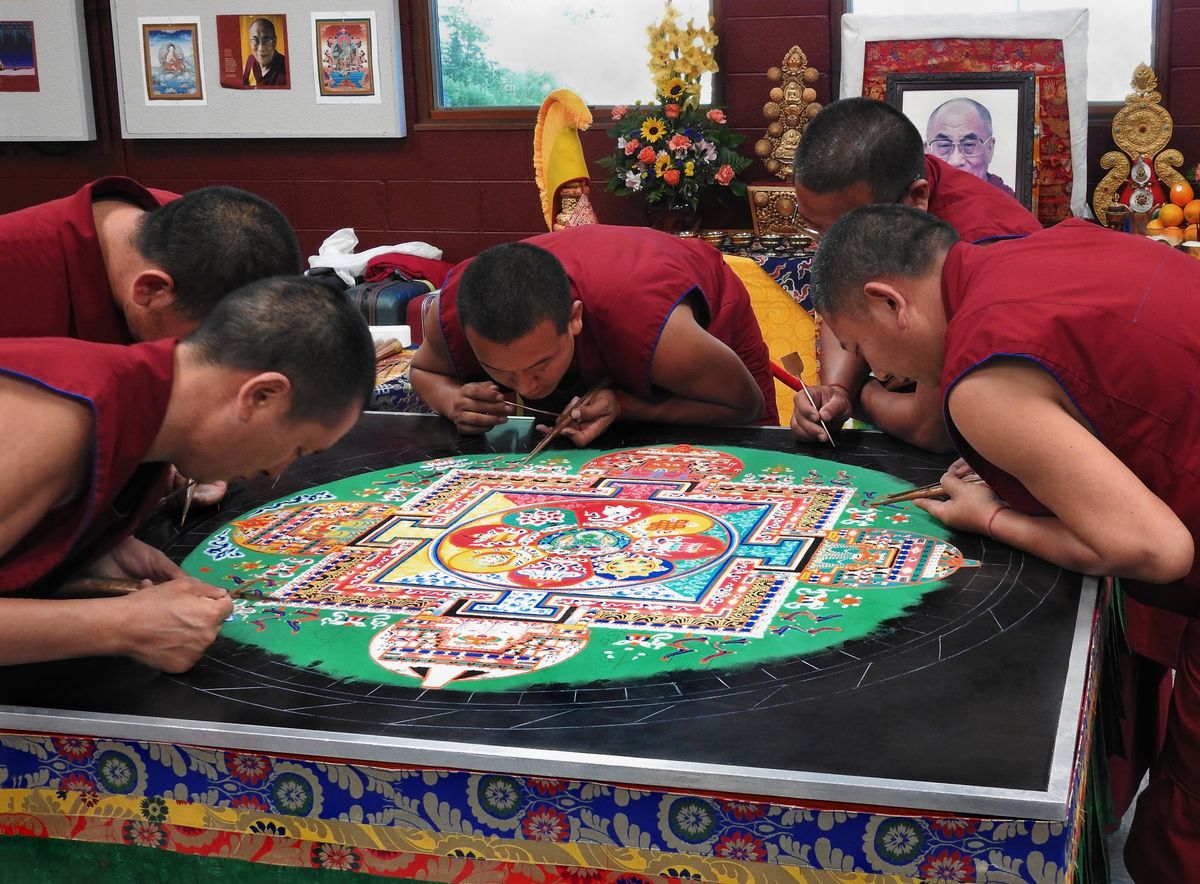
(430,116)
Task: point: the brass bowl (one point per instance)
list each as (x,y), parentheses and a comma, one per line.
(770,240)
(713,237)
(799,241)
(743,238)
(685,234)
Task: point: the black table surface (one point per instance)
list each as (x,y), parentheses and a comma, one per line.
(968,703)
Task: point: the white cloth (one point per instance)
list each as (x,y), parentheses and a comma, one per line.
(337,253)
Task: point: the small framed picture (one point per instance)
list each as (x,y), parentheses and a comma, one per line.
(171,60)
(253,50)
(345,57)
(981,123)
(18,57)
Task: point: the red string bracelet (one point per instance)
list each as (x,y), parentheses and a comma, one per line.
(991,519)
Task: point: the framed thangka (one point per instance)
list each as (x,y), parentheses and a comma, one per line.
(18,57)
(981,123)
(171,60)
(344,57)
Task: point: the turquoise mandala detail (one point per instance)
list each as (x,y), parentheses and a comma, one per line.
(895,844)
(687,822)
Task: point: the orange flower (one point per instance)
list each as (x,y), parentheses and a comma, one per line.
(646,156)
(679,142)
(672,111)
(724,174)
(716,115)
(671,176)
(631,147)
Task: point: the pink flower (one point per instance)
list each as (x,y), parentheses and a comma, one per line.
(679,142)
(724,174)
(647,155)
(544,823)
(716,115)
(631,147)
(619,111)
(671,176)
(672,111)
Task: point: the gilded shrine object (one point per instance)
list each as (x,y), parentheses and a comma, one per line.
(1141,173)
(793,102)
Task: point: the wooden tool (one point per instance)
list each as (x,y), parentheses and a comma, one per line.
(565,418)
(187,500)
(922,493)
(524,407)
(794,366)
(386,348)
(115,587)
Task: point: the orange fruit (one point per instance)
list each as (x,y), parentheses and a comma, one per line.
(1174,234)
(1191,233)
(1181,193)
(1154,224)
(1170,215)
(1191,212)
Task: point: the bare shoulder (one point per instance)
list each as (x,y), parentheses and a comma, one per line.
(45,445)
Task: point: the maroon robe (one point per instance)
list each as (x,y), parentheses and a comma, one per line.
(127,389)
(53,281)
(979,211)
(1117,327)
(629,280)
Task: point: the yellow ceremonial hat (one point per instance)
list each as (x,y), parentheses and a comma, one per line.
(557,153)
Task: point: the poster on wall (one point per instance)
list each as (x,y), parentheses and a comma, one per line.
(18,57)
(253,50)
(344,57)
(171,60)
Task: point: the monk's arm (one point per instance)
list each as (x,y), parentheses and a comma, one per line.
(1106,521)
(45,454)
(705,381)
(915,417)
(473,407)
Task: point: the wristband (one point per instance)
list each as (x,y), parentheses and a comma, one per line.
(842,388)
(992,519)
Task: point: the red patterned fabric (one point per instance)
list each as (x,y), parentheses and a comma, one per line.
(53,281)
(979,211)
(629,280)
(1044,58)
(127,389)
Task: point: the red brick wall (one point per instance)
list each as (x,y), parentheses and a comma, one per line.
(463,190)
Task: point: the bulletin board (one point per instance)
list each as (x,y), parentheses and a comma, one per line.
(46,87)
(171,55)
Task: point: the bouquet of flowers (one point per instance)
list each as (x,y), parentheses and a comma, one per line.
(672,149)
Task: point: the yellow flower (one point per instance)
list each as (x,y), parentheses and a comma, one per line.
(674,89)
(653,129)
(689,169)
(661,163)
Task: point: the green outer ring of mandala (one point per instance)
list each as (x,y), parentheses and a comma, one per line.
(619,651)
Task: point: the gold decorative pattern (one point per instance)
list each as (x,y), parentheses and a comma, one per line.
(793,102)
(1141,129)
(773,208)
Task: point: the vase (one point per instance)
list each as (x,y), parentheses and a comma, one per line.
(672,217)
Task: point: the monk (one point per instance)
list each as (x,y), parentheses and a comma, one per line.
(1066,365)
(279,369)
(663,321)
(855,152)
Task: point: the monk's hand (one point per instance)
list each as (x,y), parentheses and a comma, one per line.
(968,505)
(478,407)
(592,417)
(832,405)
(133,560)
(168,626)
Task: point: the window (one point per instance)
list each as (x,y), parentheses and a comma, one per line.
(1120,35)
(490,54)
